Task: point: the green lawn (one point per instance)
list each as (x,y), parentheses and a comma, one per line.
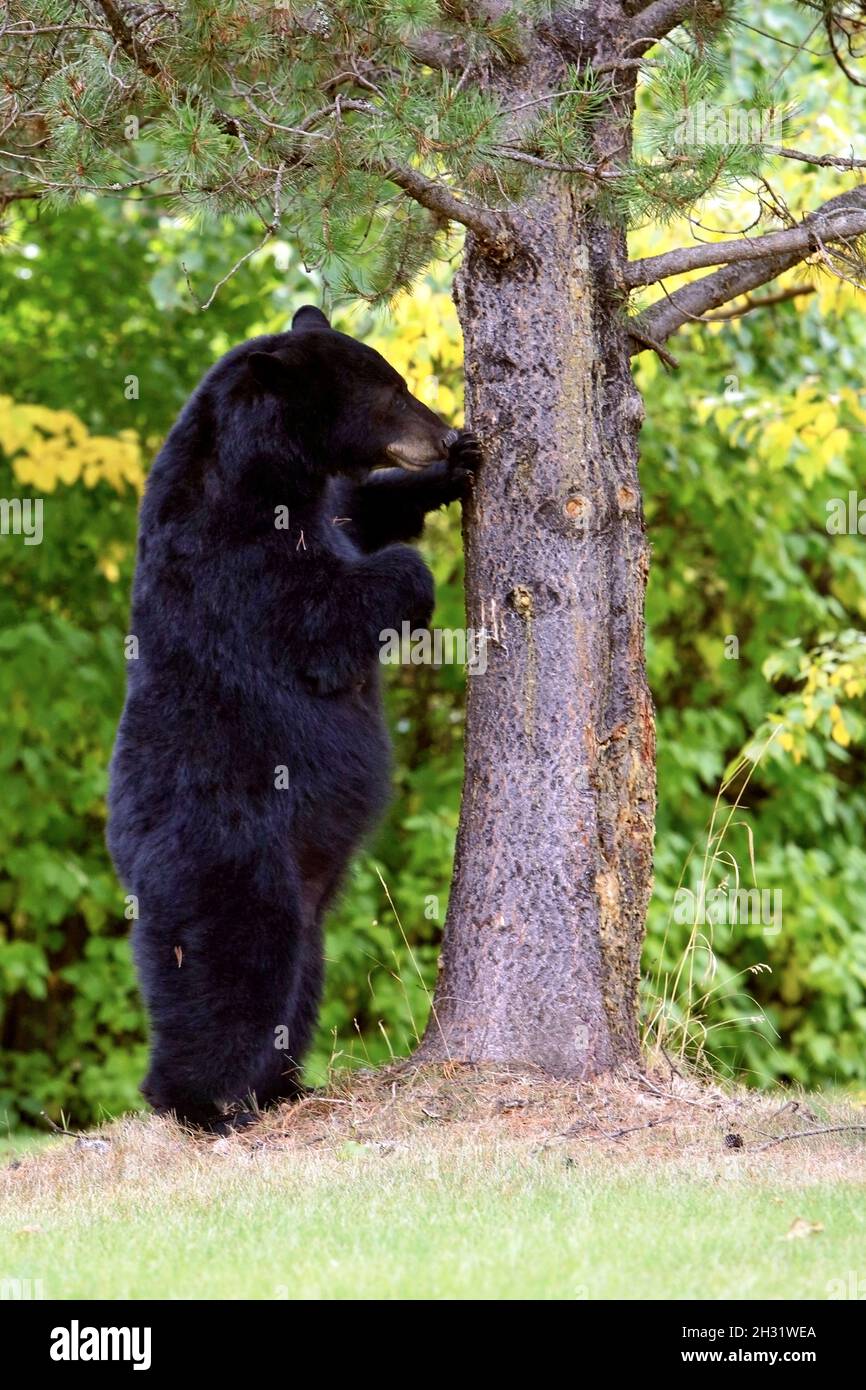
(21,1142)
(426,1220)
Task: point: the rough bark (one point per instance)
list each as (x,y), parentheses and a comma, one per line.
(554,854)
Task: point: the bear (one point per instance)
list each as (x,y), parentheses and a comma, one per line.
(252,757)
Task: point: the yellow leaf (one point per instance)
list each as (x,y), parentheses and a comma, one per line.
(840,734)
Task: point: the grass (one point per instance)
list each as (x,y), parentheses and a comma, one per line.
(452,1184)
(22,1141)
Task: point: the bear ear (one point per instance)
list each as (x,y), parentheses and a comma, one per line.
(268,371)
(309,317)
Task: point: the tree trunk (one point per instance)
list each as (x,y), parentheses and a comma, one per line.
(554,852)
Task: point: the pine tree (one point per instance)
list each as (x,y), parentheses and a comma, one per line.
(368,131)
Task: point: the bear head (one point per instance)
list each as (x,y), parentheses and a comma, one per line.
(355,411)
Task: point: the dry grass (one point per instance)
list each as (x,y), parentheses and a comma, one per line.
(660,1118)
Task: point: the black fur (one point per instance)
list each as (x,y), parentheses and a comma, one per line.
(258,651)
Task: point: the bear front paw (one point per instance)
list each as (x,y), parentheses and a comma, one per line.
(464,457)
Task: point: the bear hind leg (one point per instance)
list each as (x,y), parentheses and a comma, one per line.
(280,1077)
(215,982)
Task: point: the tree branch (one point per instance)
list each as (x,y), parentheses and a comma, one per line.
(738,278)
(17,195)
(491,228)
(692,301)
(823,161)
(838,218)
(766,301)
(645,341)
(439,51)
(656,20)
(125,36)
(830,20)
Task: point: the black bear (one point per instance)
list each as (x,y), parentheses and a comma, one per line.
(252,755)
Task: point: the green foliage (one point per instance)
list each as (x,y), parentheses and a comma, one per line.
(562,131)
(193,148)
(72,1022)
(694,136)
(742,549)
(312,116)
(99,294)
(405,247)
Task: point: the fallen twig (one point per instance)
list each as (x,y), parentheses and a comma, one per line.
(618,1133)
(810,1134)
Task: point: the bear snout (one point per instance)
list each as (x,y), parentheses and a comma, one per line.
(419,451)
